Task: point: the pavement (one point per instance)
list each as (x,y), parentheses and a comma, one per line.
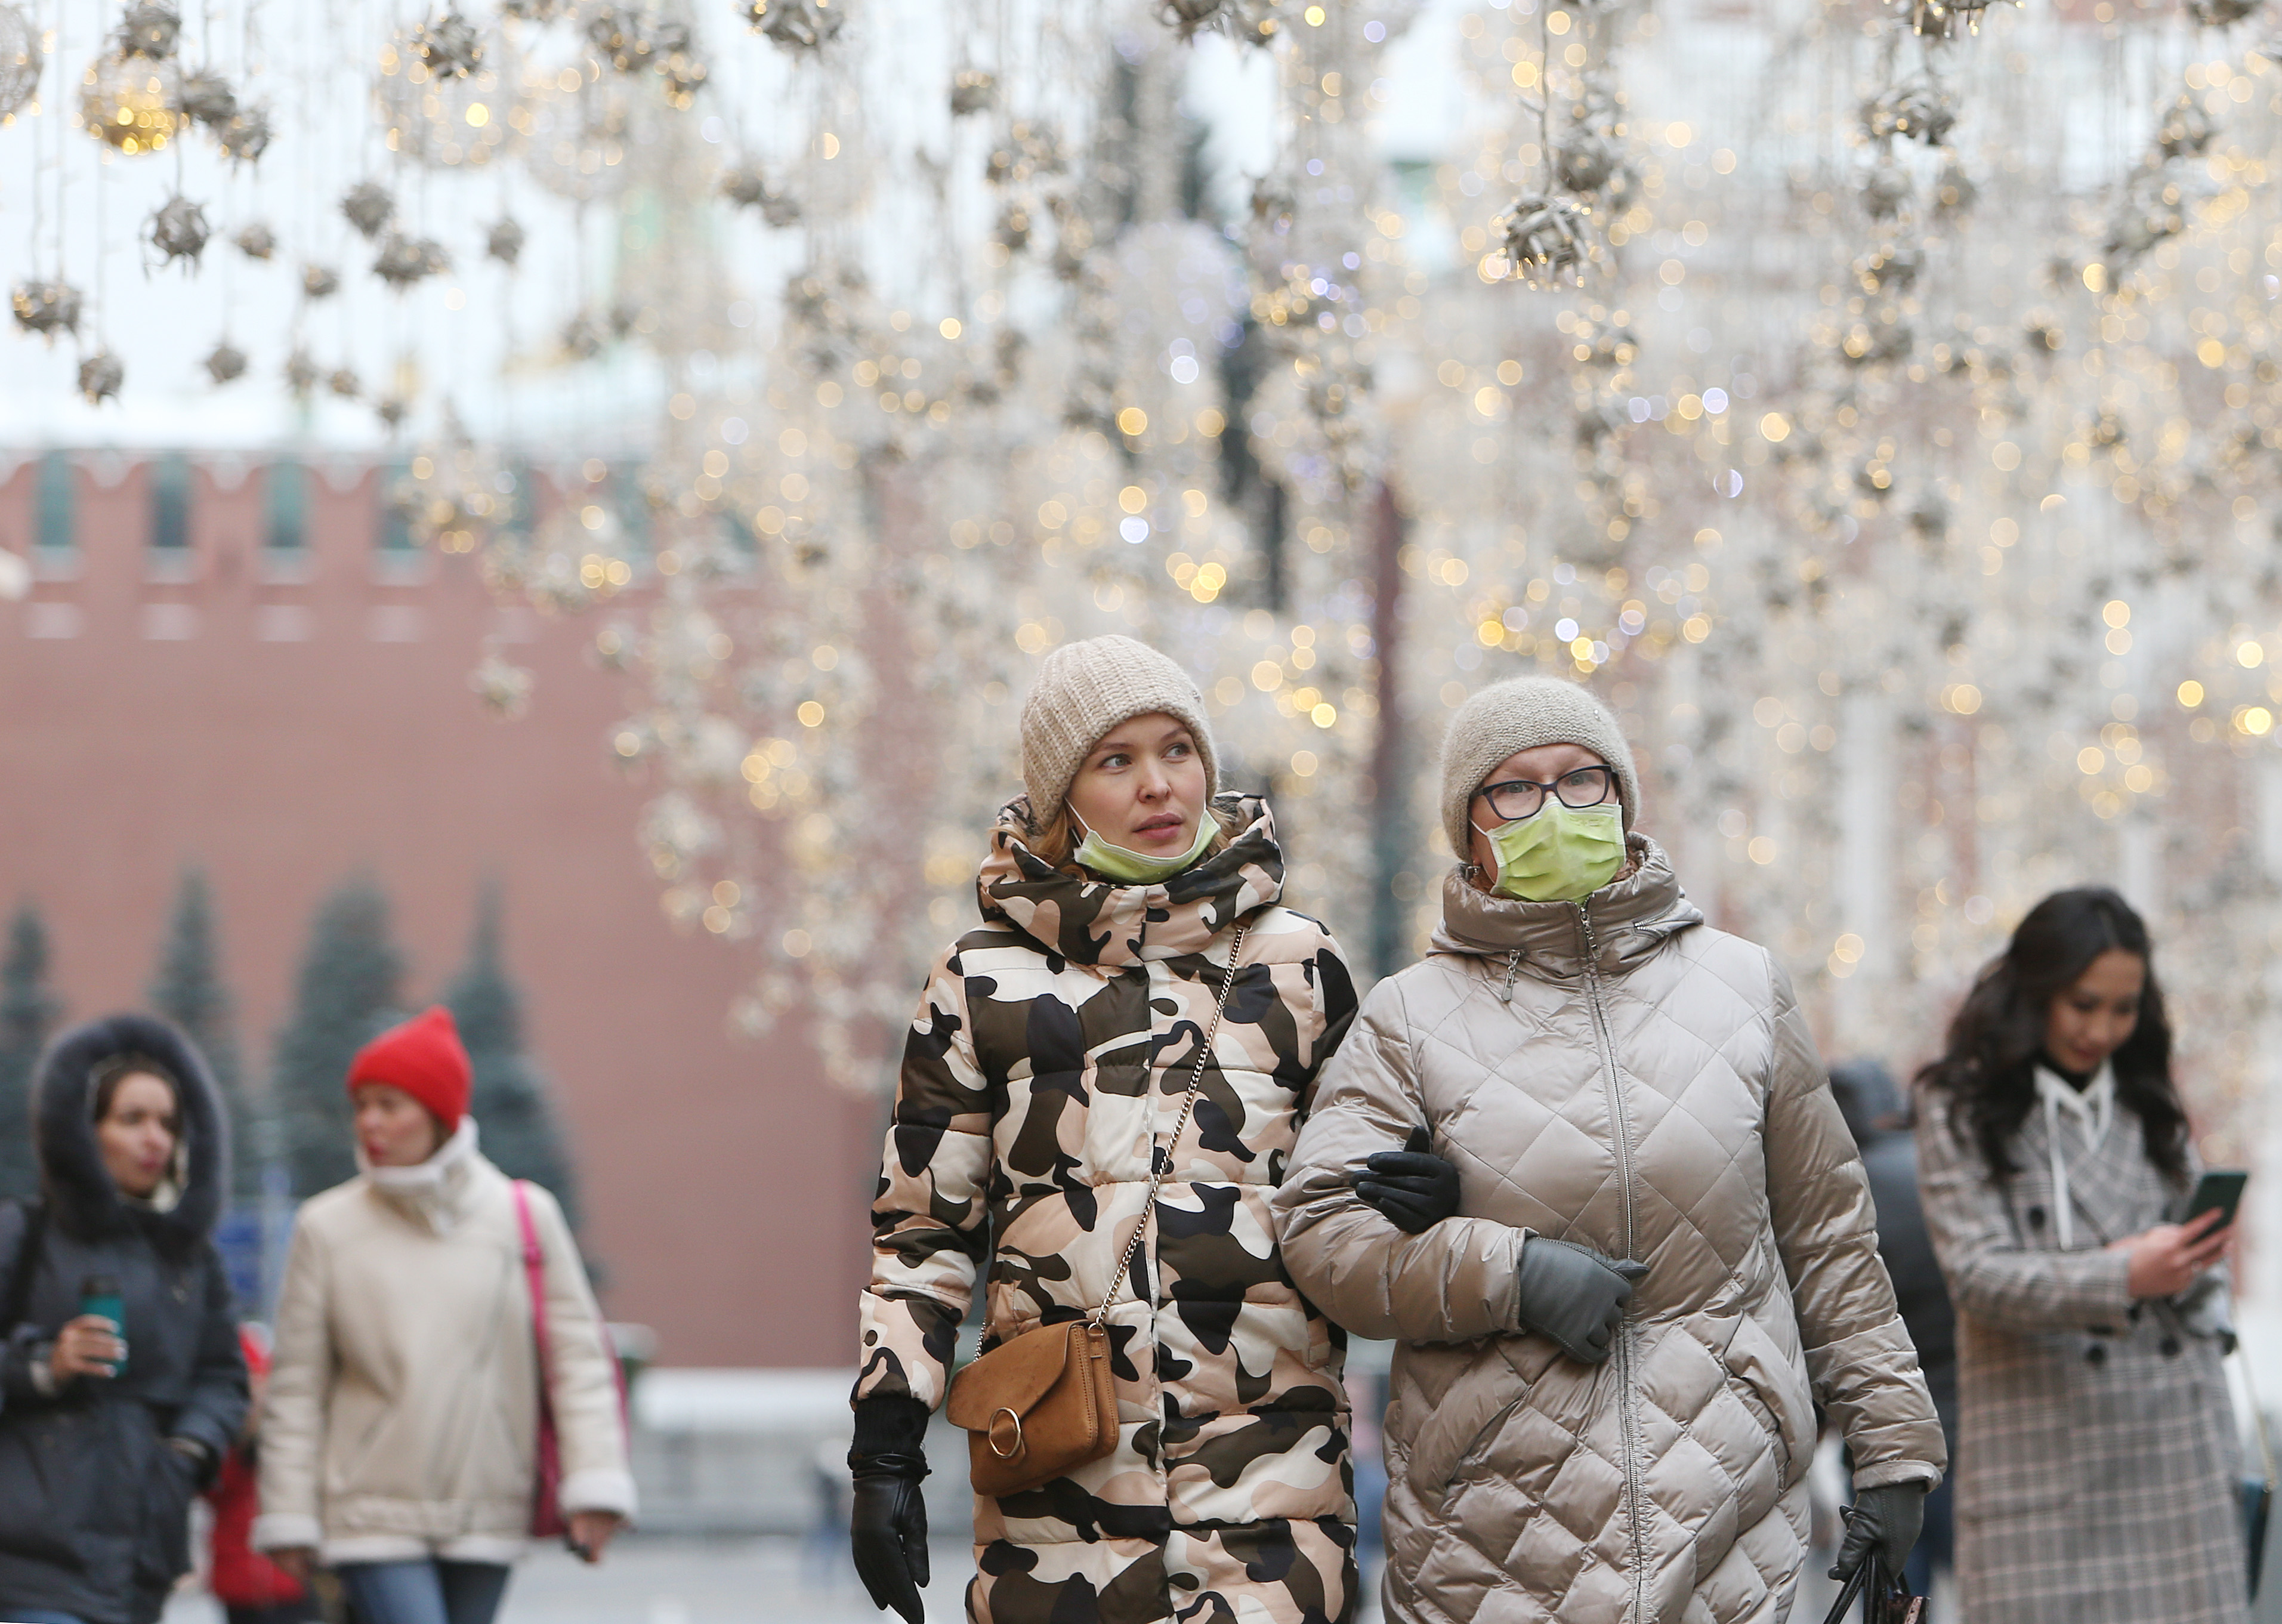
(649,1580)
(653,1580)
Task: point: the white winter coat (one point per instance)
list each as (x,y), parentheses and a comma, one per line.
(402,1415)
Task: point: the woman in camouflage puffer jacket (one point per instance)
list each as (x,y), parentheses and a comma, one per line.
(1053,1050)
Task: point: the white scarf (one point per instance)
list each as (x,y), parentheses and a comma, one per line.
(430,1191)
(2092,1109)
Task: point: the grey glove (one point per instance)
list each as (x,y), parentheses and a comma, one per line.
(1888,1519)
(1574,1295)
(1412,1187)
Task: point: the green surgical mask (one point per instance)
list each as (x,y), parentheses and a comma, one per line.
(1136,868)
(1562,854)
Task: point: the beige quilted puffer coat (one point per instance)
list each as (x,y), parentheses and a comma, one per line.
(1620,1075)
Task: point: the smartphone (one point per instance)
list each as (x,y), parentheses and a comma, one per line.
(2220,1188)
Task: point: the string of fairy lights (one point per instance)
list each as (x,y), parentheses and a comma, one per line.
(1878,406)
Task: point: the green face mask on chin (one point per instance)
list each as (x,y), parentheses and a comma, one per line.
(1132,867)
(1562,854)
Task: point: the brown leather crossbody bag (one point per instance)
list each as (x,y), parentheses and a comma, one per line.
(1041,1405)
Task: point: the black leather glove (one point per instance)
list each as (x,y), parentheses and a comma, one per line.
(1414,1188)
(888,1521)
(1887,1518)
(888,1532)
(1574,1295)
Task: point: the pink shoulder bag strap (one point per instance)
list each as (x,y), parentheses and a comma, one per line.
(545,1512)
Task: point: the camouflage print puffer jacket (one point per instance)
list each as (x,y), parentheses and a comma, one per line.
(1053,1046)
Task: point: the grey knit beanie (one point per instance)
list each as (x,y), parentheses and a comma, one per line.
(1085,690)
(1519,715)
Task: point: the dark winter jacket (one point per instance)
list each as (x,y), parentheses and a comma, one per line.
(94,1503)
(1872,1108)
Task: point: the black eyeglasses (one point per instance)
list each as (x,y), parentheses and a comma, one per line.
(1516,798)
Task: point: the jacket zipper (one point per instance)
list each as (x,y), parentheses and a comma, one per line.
(1620,1122)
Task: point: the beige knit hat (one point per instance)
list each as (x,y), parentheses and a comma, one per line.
(1085,690)
(1519,715)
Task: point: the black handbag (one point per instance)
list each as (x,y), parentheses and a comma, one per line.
(1885,1596)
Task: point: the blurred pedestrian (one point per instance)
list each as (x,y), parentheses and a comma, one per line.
(1872,1104)
(1663,1256)
(1051,1063)
(251,1588)
(121,1385)
(2098,1464)
(400,1443)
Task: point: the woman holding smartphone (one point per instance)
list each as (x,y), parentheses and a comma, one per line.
(2097,1455)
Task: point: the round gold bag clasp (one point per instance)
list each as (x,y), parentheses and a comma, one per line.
(1005,1450)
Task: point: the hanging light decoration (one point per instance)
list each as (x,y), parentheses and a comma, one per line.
(46,307)
(368,207)
(456,495)
(504,242)
(128,102)
(100,375)
(302,373)
(580,137)
(149,29)
(681,69)
(1919,110)
(1938,19)
(244,136)
(206,97)
(404,261)
(257,242)
(23,55)
(1188,16)
(320,281)
(225,363)
(796,25)
(504,687)
(178,231)
(620,35)
(745,186)
(581,338)
(449,47)
(1548,240)
(972,91)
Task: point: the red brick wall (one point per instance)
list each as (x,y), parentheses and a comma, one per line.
(723,1181)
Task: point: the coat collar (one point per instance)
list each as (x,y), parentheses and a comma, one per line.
(437,1194)
(2108,1184)
(1631,916)
(1093,922)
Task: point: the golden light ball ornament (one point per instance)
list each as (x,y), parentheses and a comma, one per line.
(464,114)
(130,103)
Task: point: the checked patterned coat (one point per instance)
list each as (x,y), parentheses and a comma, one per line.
(1053,1046)
(1618,1074)
(2097,1455)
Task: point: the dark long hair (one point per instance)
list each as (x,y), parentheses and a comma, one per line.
(1987,1069)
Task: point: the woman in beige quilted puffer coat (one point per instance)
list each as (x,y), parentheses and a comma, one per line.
(1664,1254)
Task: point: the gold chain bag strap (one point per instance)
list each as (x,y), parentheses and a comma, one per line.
(1041,1404)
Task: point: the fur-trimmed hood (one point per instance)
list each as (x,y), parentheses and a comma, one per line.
(80,1193)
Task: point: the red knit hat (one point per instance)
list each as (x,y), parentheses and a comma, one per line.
(424,1057)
